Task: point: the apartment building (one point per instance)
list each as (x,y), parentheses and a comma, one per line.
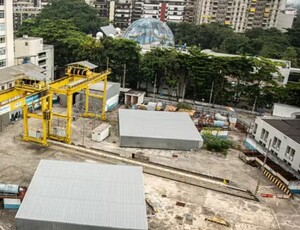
(286,18)
(33,50)
(124,12)
(6,34)
(240,14)
(23,10)
(281,136)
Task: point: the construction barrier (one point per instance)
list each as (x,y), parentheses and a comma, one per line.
(277,182)
(282,196)
(269,195)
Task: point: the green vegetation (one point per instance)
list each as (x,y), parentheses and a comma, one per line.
(182,105)
(213,143)
(270,43)
(83,16)
(66,25)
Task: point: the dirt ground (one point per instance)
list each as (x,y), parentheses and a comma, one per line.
(18,161)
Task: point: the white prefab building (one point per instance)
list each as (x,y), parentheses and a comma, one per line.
(284,135)
(84,196)
(101,132)
(161,130)
(133,97)
(33,50)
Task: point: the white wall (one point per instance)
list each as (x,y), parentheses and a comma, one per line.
(285,21)
(28,46)
(285,141)
(282,110)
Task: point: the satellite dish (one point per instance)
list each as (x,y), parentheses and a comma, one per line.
(99,35)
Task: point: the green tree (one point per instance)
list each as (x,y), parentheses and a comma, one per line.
(69,43)
(291,55)
(235,44)
(121,52)
(81,14)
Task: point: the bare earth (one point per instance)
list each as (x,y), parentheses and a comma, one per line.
(18,161)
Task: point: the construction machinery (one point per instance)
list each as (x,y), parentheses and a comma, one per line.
(27,91)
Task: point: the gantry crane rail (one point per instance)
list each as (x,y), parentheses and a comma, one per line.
(28,91)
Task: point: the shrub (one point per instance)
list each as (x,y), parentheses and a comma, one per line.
(183,105)
(213,143)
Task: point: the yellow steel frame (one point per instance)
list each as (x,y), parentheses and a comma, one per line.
(67,86)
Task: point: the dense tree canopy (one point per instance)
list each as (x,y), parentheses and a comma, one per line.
(239,80)
(81,14)
(269,43)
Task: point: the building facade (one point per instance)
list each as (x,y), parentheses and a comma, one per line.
(241,14)
(33,50)
(281,136)
(123,12)
(6,34)
(286,18)
(23,10)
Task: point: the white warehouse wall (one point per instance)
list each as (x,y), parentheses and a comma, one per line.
(285,141)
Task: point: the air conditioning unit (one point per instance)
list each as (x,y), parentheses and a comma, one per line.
(287,155)
(291,158)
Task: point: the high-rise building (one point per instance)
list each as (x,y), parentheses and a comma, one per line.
(6,34)
(240,14)
(286,18)
(124,12)
(23,10)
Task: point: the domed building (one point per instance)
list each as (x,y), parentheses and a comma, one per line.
(150,32)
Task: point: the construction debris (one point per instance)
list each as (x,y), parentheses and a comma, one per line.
(218,220)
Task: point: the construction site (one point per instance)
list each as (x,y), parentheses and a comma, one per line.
(127,168)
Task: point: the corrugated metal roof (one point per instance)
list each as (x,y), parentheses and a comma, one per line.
(86,64)
(100,85)
(101,195)
(154,124)
(13,73)
(107,30)
(289,127)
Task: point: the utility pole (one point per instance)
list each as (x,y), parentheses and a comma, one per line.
(124,75)
(262,167)
(83,129)
(211,93)
(154,88)
(254,104)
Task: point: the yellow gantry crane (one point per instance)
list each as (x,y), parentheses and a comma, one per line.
(79,77)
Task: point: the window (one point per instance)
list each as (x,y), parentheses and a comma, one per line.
(2,87)
(264,135)
(2,27)
(255,125)
(276,143)
(10,85)
(2,51)
(1,13)
(1,2)
(289,153)
(26,43)
(2,63)
(2,39)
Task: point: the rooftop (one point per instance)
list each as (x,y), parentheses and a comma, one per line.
(85,64)
(154,124)
(12,73)
(289,127)
(106,196)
